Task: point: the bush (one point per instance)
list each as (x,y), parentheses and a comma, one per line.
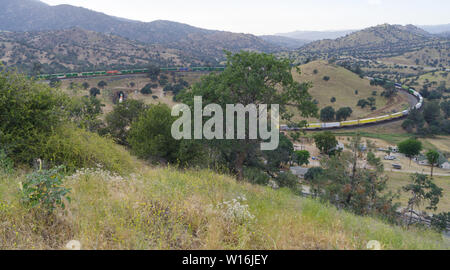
(151,137)
(287,179)
(29,111)
(147,89)
(327,114)
(6,164)
(43,189)
(256,176)
(76,148)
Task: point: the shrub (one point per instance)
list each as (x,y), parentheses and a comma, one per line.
(29,111)
(327,114)
(256,176)
(6,164)
(151,137)
(287,179)
(77,148)
(147,89)
(44,189)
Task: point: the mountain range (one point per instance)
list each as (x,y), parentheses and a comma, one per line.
(207,45)
(65,37)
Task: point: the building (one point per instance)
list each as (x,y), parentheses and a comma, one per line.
(445,165)
(299,171)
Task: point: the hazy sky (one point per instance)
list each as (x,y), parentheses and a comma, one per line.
(275,16)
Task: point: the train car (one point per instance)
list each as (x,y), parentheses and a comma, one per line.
(397,115)
(112,72)
(382,118)
(349,123)
(314,126)
(398,85)
(331,125)
(367,121)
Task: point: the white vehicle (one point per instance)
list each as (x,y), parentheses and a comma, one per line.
(390,158)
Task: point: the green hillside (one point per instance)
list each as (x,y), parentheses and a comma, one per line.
(169,209)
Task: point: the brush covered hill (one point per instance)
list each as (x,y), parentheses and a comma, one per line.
(436,56)
(342,85)
(32,15)
(77,49)
(380,41)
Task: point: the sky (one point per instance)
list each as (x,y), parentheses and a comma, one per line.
(263,17)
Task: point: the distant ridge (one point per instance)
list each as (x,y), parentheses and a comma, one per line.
(32,15)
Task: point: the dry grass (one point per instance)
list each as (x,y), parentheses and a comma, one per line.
(342,86)
(399,180)
(169,209)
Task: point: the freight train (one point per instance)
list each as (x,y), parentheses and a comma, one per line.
(124,72)
(309,126)
(367,121)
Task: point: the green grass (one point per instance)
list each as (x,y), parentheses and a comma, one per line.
(172,209)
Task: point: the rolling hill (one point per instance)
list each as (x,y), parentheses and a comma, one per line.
(316,35)
(342,85)
(208,45)
(286,42)
(80,50)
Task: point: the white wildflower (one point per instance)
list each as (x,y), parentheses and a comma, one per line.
(73,245)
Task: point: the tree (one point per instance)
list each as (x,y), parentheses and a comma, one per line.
(422,190)
(150,136)
(372,101)
(327,114)
(440,221)
(85,85)
(85,112)
(445,107)
(94,92)
(363,103)
(301,157)
(120,119)
(29,113)
(349,186)
(153,72)
(325,142)
(433,159)
(281,155)
(102,84)
(410,148)
(326,78)
(343,113)
(333,100)
(431,112)
(147,89)
(314,180)
(250,78)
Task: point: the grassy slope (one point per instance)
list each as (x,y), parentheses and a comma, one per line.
(433,77)
(424,55)
(169,209)
(399,180)
(342,86)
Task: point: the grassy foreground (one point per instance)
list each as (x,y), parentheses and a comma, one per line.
(169,209)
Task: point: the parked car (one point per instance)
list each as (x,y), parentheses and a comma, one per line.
(389,158)
(397,166)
